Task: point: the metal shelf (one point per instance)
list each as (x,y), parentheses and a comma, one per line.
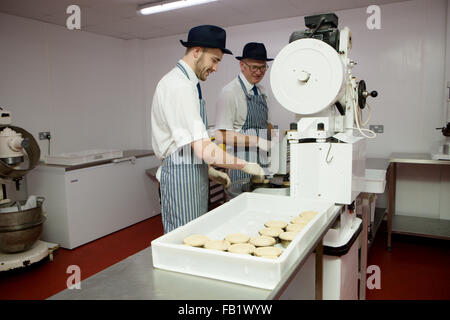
(419,226)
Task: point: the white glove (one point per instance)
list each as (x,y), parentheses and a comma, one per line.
(264,144)
(253,169)
(219,177)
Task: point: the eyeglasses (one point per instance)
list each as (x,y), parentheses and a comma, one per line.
(255,68)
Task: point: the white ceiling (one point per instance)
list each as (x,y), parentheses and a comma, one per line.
(118,18)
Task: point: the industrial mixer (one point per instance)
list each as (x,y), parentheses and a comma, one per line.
(20,220)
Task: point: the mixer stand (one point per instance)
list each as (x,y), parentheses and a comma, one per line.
(39,251)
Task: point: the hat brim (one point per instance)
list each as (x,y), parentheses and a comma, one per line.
(254,58)
(203,44)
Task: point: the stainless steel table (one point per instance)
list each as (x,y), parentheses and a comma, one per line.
(425,227)
(363,209)
(135,278)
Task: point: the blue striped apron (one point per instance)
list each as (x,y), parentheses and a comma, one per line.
(184,182)
(257,119)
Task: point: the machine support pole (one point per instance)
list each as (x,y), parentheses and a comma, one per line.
(4,191)
(319,270)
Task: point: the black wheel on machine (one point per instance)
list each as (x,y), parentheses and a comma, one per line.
(361,97)
(363,94)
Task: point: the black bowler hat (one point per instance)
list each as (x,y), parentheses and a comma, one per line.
(207,36)
(254,50)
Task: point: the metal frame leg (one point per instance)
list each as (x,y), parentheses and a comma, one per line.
(392,173)
(319,270)
(365,215)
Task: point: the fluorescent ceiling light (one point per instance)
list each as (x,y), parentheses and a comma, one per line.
(166,6)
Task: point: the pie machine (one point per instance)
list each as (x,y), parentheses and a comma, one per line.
(312,77)
(322,155)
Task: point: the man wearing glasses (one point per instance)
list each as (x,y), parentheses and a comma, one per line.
(242,113)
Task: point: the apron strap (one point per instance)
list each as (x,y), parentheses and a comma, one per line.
(183,70)
(202,102)
(187,76)
(244,89)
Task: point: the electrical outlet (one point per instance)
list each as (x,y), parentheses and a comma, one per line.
(44,135)
(377,128)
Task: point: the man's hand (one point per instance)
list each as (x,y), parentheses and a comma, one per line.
(219,177)
(253,169)
(264,144)
(273,133)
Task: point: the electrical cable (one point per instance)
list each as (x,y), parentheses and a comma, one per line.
(368,116)
(358,115)
(318,26)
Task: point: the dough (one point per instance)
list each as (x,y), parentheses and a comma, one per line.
(242,248)
(297,227)
(268,251)
(287,237)
(271,232)
(221,245)
(262,241)
(196,240)
(308,214)
(237,238)
(300,220)
(275,224)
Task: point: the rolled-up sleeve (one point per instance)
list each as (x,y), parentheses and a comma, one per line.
(182,114)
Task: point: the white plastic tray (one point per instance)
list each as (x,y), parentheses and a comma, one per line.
(82,157)
(244,214)
(375,181)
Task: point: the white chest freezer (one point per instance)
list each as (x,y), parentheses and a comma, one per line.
(86,202)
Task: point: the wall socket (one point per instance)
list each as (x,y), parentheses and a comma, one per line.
(377,128)
(44,135)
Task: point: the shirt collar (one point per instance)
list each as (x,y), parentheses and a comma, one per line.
(247,84)
(190,72)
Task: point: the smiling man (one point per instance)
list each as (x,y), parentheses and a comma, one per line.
(179,131)
(242,113)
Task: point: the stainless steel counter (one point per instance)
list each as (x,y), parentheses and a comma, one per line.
(420,158)
(405,223)
(135,278)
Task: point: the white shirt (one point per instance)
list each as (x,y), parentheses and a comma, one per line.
(231,106)
(175,114)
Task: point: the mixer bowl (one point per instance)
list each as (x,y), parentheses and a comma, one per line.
(20,229)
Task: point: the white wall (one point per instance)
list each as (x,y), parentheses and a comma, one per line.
(94,91)
(86,89)
(403,61)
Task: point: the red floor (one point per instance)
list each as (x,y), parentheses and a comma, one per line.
(414,269)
